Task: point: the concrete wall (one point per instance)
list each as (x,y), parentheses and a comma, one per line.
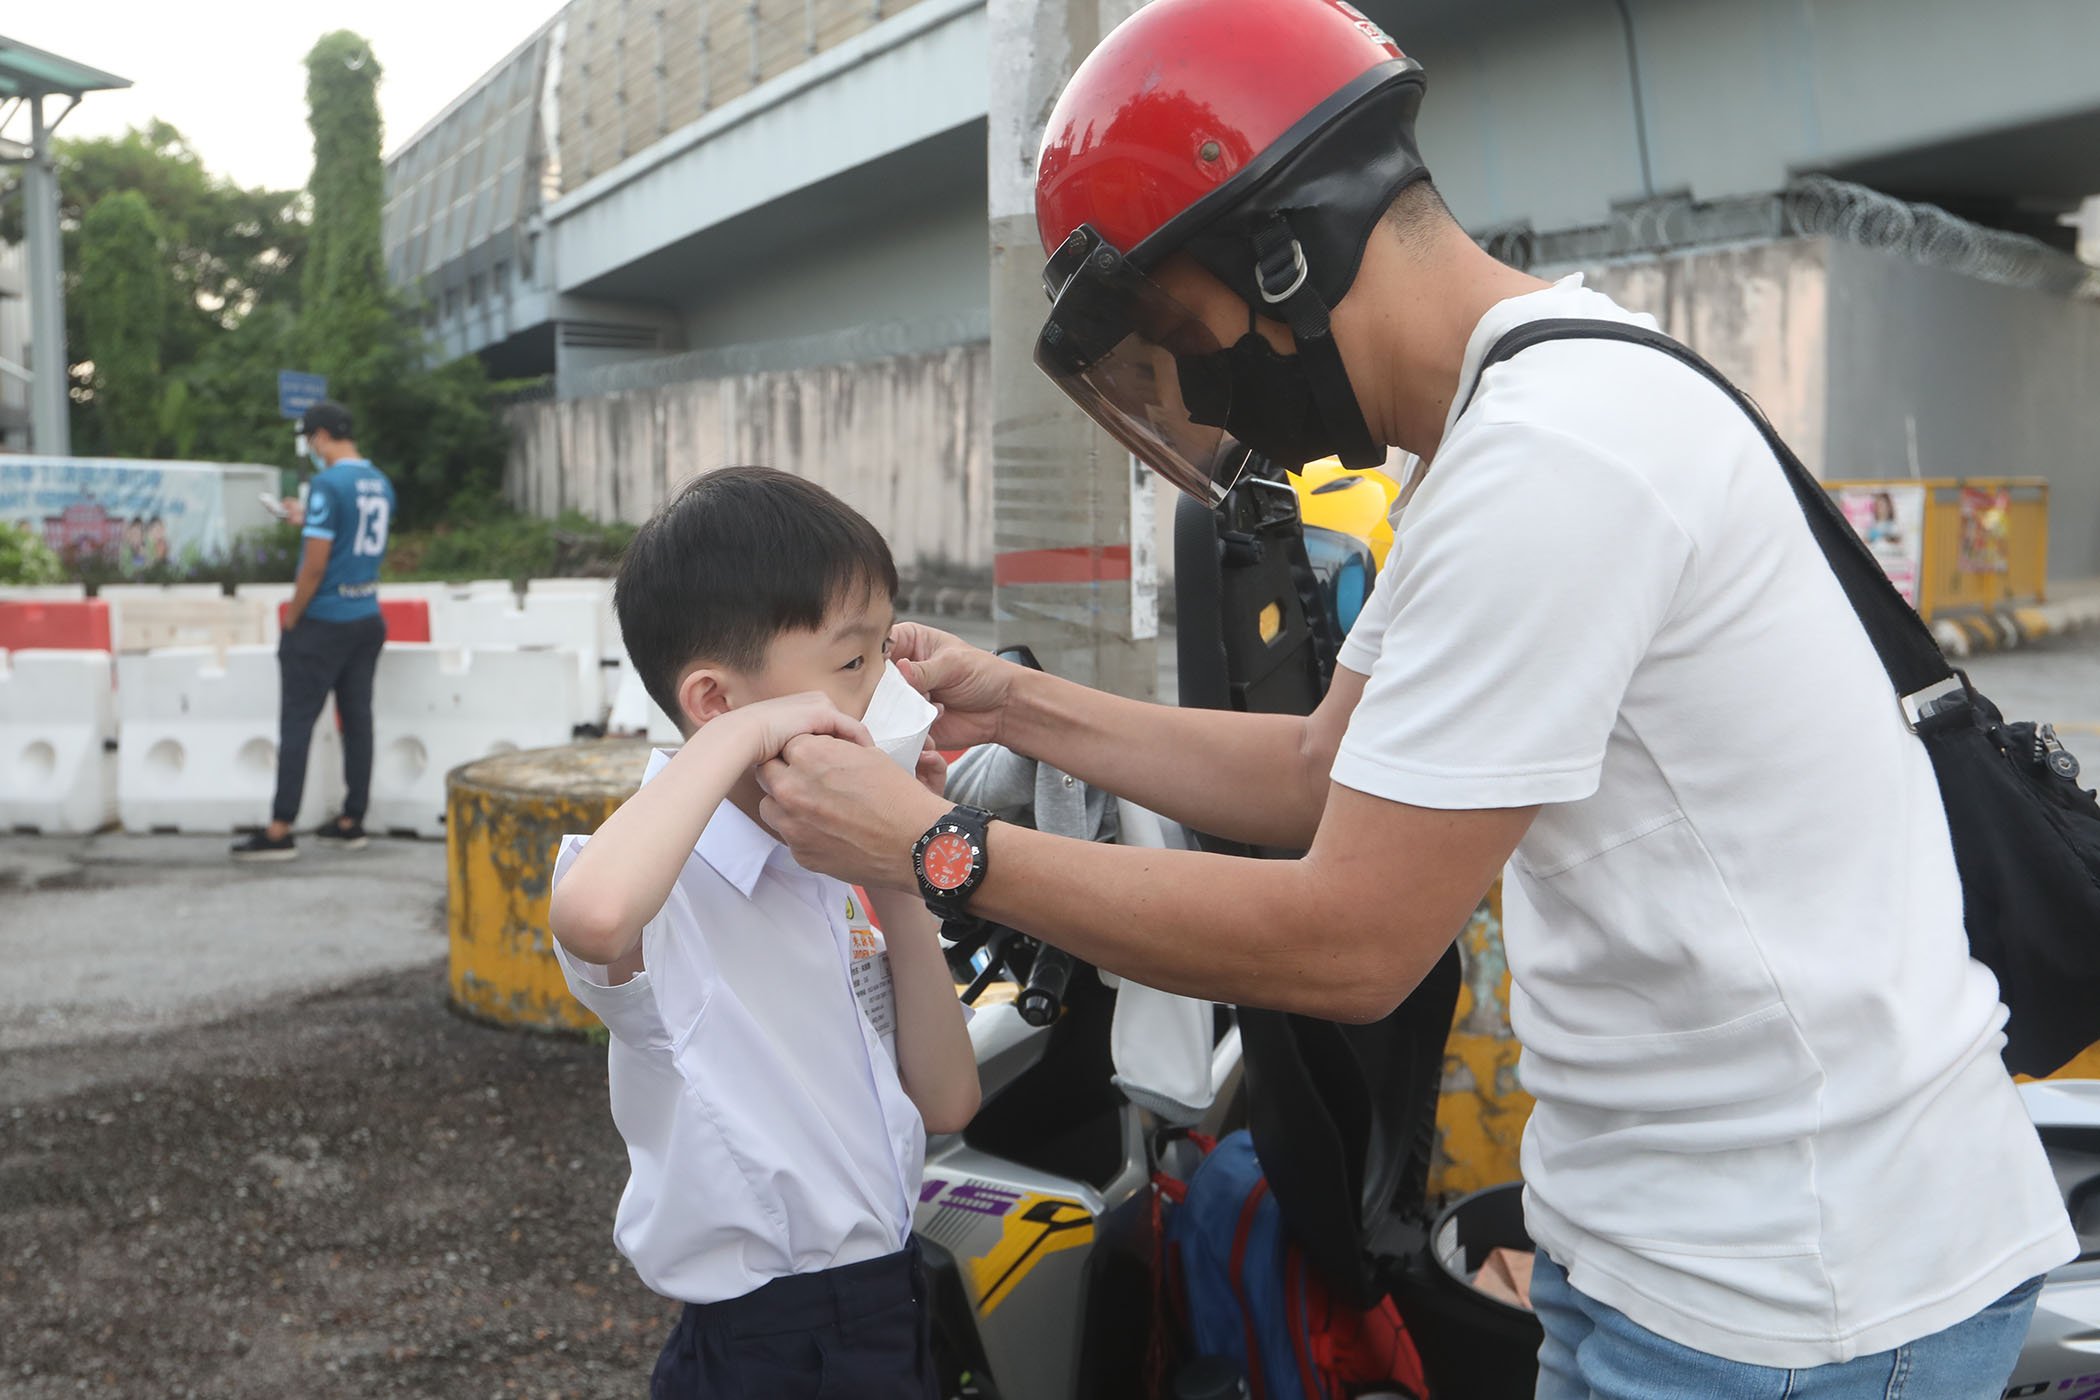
(1855,353)
(903,440)
(1758,313)
(1538,110)
(1999,381)
(928,264)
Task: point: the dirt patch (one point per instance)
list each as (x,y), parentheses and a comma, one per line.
(356,1194)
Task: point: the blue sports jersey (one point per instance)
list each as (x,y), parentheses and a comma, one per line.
(352,505)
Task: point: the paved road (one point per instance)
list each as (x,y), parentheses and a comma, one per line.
(117,935)
(2057,681)
(113,935)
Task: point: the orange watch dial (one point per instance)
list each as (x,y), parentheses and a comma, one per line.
(947,861)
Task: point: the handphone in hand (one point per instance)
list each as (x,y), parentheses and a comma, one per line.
(273,504)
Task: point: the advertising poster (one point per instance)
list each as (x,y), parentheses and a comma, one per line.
(139,513)
(1985,535)
(1891,519)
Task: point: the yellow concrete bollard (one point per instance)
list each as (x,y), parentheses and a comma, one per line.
(504,818)
(1480,1117)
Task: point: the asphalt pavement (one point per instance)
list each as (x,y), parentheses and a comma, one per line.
(246,1149)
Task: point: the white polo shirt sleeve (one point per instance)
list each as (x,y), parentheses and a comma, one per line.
(1527,579)
(629,1010)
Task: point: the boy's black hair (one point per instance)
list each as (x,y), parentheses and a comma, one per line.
(737,557)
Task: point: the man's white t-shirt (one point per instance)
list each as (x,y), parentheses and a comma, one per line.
(1772,1122)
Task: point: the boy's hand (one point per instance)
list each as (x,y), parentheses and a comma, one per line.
(769,724)
(932,771)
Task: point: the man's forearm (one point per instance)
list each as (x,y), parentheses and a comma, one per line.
(1273,933)
(1237,776)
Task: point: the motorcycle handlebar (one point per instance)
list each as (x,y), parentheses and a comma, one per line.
(1044,995)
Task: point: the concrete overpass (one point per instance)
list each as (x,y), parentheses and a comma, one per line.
(845,191)
(648,196)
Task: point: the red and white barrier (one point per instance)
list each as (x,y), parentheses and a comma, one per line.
(56,712)
(67,625)
(562,622)
(435,708)
(197,743)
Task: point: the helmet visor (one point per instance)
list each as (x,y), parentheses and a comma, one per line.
(1140,364)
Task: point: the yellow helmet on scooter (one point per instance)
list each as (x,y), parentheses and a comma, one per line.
(1357,502)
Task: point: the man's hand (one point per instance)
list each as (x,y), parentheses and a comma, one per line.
(294,511)
(846,811)
(769,725)
(970,684)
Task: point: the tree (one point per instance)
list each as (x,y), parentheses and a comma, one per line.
(431,429)
(347,319)
(123,310)
(225,247)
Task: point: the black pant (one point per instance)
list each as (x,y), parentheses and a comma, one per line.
(314,658)
(858,1332)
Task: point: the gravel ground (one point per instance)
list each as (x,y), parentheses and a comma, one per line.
(359,1193)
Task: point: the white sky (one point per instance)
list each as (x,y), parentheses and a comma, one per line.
(229,73)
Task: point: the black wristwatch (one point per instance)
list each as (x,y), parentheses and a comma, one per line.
(950,860)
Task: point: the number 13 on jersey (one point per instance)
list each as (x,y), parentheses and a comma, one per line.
(372,515)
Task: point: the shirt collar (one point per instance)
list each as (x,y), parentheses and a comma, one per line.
(1501,318)
(736,846)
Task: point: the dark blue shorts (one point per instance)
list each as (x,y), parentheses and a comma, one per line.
(858,1332)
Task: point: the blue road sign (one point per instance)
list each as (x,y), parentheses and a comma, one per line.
(297,392)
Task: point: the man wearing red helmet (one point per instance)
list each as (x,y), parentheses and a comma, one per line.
(1775,1152)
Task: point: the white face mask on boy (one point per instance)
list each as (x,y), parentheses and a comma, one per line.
(899,718)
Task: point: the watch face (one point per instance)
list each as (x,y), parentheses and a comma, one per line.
(948,861)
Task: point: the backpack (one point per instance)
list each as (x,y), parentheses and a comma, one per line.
(1248,1294)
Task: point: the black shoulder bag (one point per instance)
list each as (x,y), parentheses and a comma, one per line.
(2026,836)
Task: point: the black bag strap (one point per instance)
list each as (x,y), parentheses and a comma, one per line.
(1917,668)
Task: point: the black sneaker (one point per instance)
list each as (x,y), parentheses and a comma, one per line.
(259,846)
(335,836)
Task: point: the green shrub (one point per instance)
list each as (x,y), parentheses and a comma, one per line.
(495,543)
(25,558)
(268,555)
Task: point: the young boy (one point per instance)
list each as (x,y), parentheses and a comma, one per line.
(774,1067)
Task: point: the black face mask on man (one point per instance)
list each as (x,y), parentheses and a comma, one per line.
(1262,398)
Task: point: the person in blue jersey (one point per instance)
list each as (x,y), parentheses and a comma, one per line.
(333,631)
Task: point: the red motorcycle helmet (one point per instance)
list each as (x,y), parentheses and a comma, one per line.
(1264,138)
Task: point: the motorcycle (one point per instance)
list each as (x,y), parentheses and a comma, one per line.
(1035,1221)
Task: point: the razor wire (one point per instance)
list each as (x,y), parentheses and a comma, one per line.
(1819,205)
(1810,206)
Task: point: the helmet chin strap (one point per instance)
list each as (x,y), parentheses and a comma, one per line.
(1284,282)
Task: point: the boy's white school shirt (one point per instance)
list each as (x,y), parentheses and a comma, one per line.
(753,1069)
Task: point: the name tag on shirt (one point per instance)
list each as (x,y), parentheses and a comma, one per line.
(871,978)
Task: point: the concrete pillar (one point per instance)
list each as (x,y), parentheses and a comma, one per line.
(1075,572)
(51,432)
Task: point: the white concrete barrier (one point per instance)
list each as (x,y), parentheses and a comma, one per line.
(269,597)
(114,592)
(56,712)
(600,589)
(566,622)
(435,708)
(634,712)
(181,615)
(42,592)
(448,604)
(197,743)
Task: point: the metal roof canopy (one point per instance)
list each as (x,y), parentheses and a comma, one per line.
(30,72)
(28,76)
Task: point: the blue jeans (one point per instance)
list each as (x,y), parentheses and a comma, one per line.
(1593,1352)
